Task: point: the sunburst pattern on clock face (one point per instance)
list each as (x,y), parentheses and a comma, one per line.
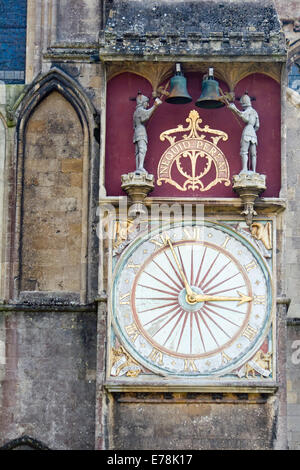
(192,300)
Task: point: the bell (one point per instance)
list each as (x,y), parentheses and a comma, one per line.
(178,90)
(210,97)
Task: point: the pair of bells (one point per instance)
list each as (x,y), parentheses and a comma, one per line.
(210,97)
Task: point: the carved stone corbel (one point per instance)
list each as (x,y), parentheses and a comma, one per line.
(137,186)
(249,186)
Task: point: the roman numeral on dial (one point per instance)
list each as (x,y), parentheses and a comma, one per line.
(251,265)
(249,332)
(156,356)
(189,365)
(259,299)
(132,331)
(193,233)
(125,299)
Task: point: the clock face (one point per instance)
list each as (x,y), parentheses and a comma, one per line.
(194,300)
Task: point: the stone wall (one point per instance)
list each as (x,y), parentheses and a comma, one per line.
(47,377)
(289,13)
(48,354)
(293,384)
(192,421)
(293,208)
(78,21)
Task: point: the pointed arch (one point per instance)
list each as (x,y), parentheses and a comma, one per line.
(25,442)
(45,86)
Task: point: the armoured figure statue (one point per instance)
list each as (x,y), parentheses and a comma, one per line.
(249,138)
(140,138)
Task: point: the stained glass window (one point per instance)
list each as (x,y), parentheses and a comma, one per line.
(12,40)
(294,77)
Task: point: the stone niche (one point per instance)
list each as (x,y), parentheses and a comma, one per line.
(51,222)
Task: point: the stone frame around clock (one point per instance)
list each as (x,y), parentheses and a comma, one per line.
(198,383)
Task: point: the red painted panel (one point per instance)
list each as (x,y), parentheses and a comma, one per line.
(120,155)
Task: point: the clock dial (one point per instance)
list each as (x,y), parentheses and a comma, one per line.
(163,312)
(193,300)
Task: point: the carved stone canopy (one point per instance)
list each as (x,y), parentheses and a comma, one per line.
(140,30)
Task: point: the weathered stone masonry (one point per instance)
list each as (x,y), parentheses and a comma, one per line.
(52,316)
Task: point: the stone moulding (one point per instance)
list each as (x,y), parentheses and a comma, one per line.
(131,45)
(53,308)
(71,52)
(117,386)
(212,205)
(148,29)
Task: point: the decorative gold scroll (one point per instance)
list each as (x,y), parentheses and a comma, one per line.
(122,229)
(262,232)
(193,146)
(261,364)
(123,364)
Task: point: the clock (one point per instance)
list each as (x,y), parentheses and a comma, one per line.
(192,300)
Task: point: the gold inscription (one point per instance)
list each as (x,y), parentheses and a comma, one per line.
(172,168)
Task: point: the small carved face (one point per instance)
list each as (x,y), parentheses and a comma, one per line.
(145,104)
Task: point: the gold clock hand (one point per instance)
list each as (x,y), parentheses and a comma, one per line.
(209,298)
(190,293)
